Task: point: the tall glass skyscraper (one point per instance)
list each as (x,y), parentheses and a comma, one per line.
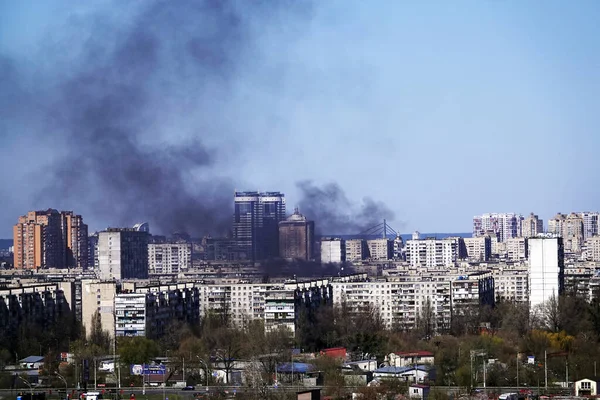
(256,223)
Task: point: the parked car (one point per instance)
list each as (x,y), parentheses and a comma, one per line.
(189,388)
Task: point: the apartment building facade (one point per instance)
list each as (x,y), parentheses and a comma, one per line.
(122,254)
(169,258)
(433,252)
(333,250)
(50,239)
(503,225)
(478,248)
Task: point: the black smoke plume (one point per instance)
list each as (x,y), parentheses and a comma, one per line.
(335,214)
(133,109)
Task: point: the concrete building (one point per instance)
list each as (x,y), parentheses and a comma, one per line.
(511,283)
(503,225)
(356,250)
(381,249)
(256,223)
(122,254)
(50,239)
(573,233)
(296,237)
(532,226)
(433,252)
(591,250)
(516,249)
(37,239)
(590,224)
(38,304)
(472,290)
(98,296)
(148,310)
(478,248)
(333,250)
(556,224)
(546,269)
(169,258)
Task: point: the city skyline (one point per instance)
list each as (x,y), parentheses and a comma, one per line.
(361,96)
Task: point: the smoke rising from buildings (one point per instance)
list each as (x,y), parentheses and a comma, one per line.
(141,115)
(131,116)
(335,213)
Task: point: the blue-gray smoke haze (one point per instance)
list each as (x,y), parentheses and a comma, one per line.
(158,110)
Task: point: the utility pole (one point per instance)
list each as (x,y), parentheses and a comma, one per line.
(517,372)
(546,370)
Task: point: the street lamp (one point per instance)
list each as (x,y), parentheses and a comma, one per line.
(27,383)
(65,381)
(205,370)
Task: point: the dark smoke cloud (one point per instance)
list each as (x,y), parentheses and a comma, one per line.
(132,115)
(334,213)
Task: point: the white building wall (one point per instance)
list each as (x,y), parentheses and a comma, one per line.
(333,251)
(546,268)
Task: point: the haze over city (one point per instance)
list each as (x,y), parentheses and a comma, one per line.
(435,112)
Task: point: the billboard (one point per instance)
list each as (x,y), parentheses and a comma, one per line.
(145,369)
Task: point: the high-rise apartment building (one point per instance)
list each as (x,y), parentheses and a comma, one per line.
(256,223)
(169,258)
(433,252)
(590,224)
(122,254)
(556,224)
(296,237)
(546,269)
(50,239)
(75,237)
(381,249)
(478,248)
(503,225)
(356,250)
(570,228)
(333,250)
(516,249)
(573,233)
(532,226)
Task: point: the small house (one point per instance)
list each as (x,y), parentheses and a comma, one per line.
(587,386)
(420,392)
(406,358)
(32,362)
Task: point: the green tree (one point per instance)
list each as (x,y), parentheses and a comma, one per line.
(136,350)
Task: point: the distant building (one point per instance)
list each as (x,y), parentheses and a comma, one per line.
(546,269)
(333,250)
(142,227)
(50,239)
(169,258)
(503,225)
(570,228)
(532,226)
(381,249)
(590,224)
(256,223)
(478,248)
(222,249)
(433,252)
(122,254)
(296,237)
(356,250)
(516,249)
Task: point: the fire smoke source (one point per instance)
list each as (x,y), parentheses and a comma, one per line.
(334,213)
(135,111)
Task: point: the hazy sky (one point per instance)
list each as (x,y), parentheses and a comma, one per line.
(439,109)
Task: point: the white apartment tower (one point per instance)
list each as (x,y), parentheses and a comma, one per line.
(169,258)
(546,269)
(333,250)
(433,252)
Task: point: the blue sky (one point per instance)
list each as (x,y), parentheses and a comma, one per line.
(441,110)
